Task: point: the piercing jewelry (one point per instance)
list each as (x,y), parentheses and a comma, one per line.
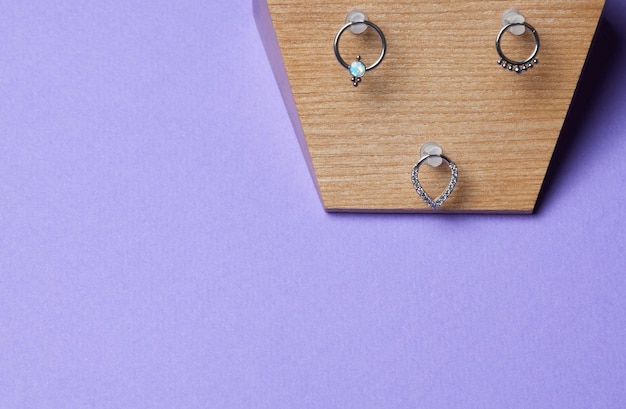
(433,156)
(514,22)
(356,21)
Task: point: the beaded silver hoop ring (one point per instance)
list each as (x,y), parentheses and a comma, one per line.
(517,66)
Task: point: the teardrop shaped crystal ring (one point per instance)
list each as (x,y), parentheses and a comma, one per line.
(357,68)
(517,66)
(435,203)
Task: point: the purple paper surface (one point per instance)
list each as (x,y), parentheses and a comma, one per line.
(162,244)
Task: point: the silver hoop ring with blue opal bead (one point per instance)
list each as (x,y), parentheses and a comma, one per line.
(517,67)
(357,68)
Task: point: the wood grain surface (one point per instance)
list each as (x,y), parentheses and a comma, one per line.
(439,82)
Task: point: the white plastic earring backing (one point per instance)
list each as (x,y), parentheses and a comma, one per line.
(513,16)
(354,17)
(432,148)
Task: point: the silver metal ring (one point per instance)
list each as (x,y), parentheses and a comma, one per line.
(357,68)
(434,203)
(517,66)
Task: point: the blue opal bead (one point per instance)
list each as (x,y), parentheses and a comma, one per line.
(357,69)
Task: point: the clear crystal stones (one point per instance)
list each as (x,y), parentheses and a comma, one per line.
(435,203)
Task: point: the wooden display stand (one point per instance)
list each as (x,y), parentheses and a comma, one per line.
(439,82)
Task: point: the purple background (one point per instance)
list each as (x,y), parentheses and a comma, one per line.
(162,244)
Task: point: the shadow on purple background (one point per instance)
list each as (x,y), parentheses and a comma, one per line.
(603,72)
